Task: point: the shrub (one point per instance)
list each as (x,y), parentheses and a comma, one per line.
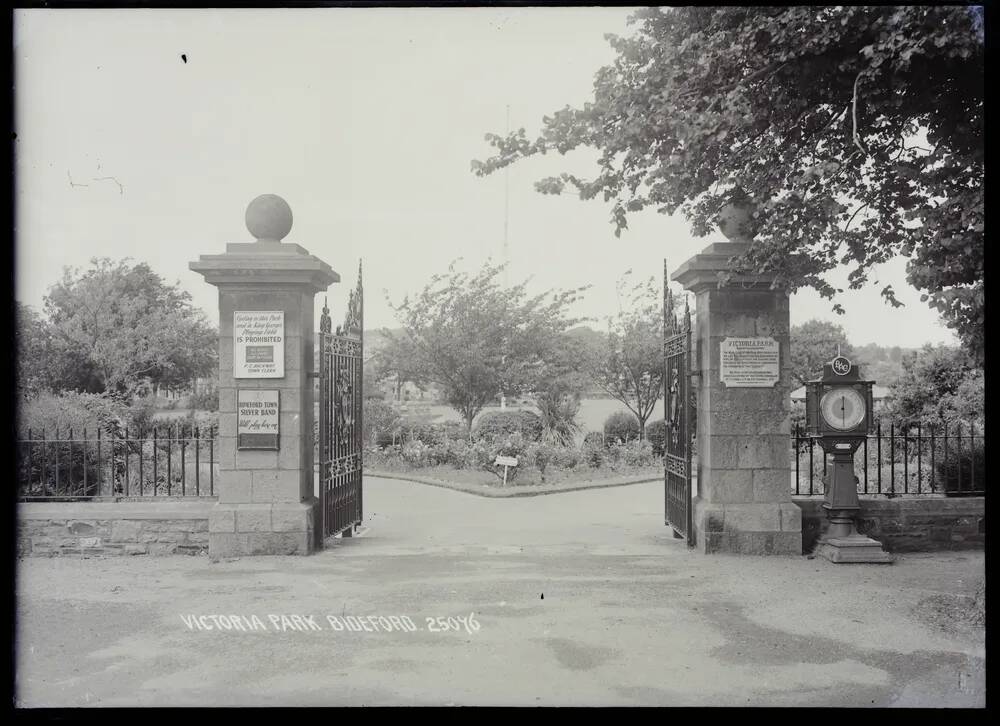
(205,401)
(558,405)
(433,433)
(656,435)
(621,425)
(542,454)
(56,416)
(593,454)
(416,453)
(569,457)
(615,454)
(639,453)
(594,438)
(378,419)
(965,467)
(500,424)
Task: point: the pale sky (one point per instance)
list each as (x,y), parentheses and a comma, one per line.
(365,121)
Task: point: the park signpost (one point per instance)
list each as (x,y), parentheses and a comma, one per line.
(505,462)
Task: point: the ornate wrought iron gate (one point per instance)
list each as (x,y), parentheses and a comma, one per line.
(340,407)
(678,415)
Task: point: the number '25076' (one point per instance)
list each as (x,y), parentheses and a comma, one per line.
(444,625)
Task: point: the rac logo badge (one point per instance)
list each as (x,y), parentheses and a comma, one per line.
(841,365)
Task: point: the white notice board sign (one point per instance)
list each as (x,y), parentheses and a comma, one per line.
(749,362)
(256,419)
(259,344)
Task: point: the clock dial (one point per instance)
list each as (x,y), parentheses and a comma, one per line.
(842,408)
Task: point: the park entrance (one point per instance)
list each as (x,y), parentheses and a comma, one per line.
(340,411)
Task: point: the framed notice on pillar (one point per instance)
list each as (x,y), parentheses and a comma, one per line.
(749,362)
(259,344)
(257,420)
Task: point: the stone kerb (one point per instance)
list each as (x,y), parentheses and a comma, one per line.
(267,503)
(744,504)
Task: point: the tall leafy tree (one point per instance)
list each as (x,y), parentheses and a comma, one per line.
(813,344)
(130,327)
(476,338)
(856,133)
(939,383)
(629,364)
(34,351)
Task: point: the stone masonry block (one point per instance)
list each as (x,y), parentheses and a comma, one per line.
(233,487)
(256,459)
(225,453)
(227,424)
(82,528)
(226,356)
(745,401)
(227,545)
(227,400)
(290,455)
(279,543)
(753,518)
(771,485)
(730,486)
(289,424)
(763,452)
(125,530)
(791,517)
(735,422)
(253,518)
(293,351)
(291,520)
(221,520)
(276,486)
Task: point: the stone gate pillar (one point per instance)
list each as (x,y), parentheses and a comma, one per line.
(744,501)
(267,503)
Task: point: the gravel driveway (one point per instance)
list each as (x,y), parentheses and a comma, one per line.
(581,598)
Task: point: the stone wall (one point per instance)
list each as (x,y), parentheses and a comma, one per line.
(113,528)
(922,524)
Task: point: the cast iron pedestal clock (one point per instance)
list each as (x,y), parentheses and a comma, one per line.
(839,415)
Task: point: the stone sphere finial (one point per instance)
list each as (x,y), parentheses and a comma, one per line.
(269,218)
(736,219)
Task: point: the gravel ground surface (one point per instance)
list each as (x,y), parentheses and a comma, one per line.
(582,599)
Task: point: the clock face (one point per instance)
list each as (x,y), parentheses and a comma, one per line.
(842,408)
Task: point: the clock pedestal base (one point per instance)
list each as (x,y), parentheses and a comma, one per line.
(842,542)
(856,548)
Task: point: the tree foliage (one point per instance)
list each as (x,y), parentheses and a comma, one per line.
(939,383)
(855,132)
(395,360)
(629,366)
(475,338)
(813,344)
(117,327)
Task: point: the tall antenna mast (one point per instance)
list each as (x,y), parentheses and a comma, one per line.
(506,208)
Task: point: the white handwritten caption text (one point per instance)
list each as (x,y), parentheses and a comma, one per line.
(338,623)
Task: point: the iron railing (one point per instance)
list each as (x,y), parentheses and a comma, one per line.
(919,459)
(162,461)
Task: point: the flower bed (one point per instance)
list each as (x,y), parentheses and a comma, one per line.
(540,464)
